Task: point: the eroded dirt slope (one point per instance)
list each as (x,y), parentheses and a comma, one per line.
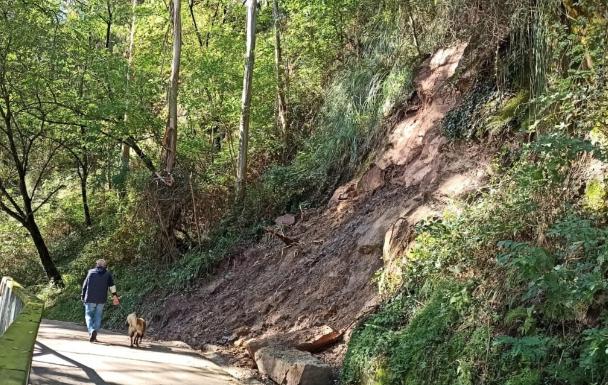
(327,277)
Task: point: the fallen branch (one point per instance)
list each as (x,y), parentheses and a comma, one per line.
(288,241)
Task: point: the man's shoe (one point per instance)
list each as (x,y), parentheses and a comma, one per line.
(93,337)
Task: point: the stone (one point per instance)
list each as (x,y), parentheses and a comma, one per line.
(396,237)
(372,234)
(372,180)
(342,193)
(285,220)
(318,339)
(252,345)
(239,343)
(225,340)
(288,366)
(313,339)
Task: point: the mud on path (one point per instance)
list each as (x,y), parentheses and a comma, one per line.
(327,277)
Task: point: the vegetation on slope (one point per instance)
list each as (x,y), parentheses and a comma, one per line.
(510,287)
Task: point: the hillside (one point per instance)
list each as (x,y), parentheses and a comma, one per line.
(414,192)
(326,277)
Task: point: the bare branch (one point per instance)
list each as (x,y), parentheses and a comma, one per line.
(67,147)
(16,207)
(10,212)
(48,198)
(70,108)
(43,170)
(287,240)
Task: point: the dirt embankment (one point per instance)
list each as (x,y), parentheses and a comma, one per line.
(327,276)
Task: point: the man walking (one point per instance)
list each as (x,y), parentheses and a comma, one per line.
(94,295)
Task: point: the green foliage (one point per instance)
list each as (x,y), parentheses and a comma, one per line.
(412,340)
(524,350)
(370,86)
(540,289)
(486,112)
(508,287)
(595,195)
(525,377)
(529,252)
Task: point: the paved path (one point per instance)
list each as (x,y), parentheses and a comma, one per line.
(63,355)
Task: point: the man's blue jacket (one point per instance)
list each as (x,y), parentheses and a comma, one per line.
(96,285)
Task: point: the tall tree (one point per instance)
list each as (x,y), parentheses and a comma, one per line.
(170,138)
(125,155)
(17,145)
(82,159)
(241,171)
(280,75)
(26,156)
(108,21)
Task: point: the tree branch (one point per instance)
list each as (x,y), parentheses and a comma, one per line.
(48,198)
(17,210)
(11,213)
(287,240)
(130,141)
(43,169)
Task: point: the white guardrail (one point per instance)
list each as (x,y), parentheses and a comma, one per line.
(10,304)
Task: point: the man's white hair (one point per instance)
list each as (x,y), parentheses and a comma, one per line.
(101,263)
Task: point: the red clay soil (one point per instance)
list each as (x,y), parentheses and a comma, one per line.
(327,276)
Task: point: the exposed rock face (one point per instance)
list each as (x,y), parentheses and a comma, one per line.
(342,193)
(292,367)
(395,237)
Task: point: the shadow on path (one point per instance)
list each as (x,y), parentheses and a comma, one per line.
(45,371)
(63,355)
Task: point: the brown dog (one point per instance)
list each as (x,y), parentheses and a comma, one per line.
(137,328)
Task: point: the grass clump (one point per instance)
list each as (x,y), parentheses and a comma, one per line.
(414,341)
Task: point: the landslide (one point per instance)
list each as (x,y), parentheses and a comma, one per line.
(327,276)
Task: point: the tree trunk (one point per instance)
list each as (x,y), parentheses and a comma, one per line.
(280,75)
(246,101)
(109,27)
(130,141)
(125,156)
(213,18)
(199,36)
(24,213)
(170,138)
(45,257)
(84,176)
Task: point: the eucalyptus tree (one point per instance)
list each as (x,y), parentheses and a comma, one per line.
(241,172)
(282,120)
(126,150)
(170,138)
